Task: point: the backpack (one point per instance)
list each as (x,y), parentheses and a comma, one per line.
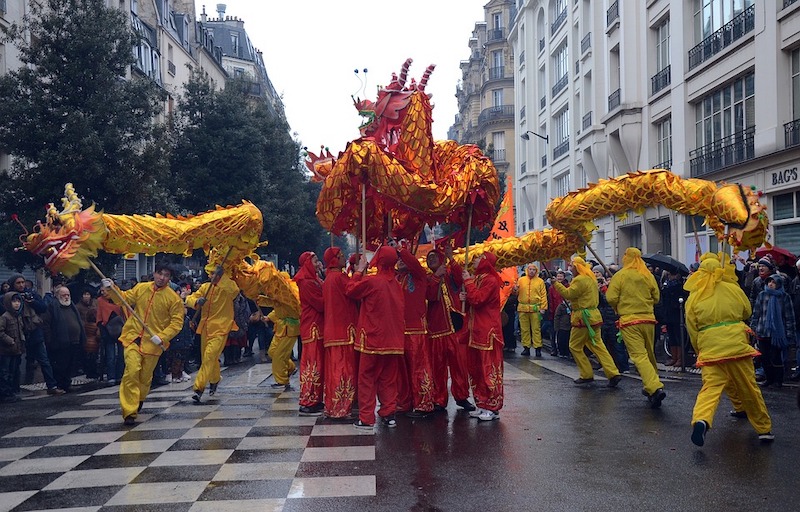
(114,326)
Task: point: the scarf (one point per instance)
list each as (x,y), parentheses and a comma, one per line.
(774,318)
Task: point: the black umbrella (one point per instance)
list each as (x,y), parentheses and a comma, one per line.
(665,262)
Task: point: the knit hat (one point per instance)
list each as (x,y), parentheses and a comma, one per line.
(598,268)
(766,262)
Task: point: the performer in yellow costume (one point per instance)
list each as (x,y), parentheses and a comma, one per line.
(161,310)
(215,301)
(716,311)
(633,292)
(286,329)
(584,295)
(532,296)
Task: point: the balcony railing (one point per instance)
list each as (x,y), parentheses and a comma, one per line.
(614,99)
(559,86)
(496,34)
(577,67)
(666,164)
(531,224)
(792,133)
(497,73)
(661,79)
(3,6)
(543,102)
(497,155)
(522,112)
(586,42)
(170,67)
(561,149)
(724,37)
(787,3)
(544,160)
(722,153)
(541,44)
(612,13)
(522,57)
(560,19)
(495,113)
(587,120)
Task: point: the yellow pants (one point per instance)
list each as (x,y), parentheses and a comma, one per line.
(639,340)
(136,380)
(530,328)
(211,348)
(280,350)
(738,379)
(578,340)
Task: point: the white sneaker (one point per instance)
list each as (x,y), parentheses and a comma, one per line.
(476,413)
(185,377)
(487,415)
(169,380)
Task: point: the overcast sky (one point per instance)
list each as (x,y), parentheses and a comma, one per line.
(311,49)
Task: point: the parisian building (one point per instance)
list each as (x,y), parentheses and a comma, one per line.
(709,89)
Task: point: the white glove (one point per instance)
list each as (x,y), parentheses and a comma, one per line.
(156,340)
(106,282)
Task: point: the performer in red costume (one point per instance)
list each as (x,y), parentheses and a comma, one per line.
(485,357)
(444,284)
(311,325)
(379,338)
(416,382)
(341,315)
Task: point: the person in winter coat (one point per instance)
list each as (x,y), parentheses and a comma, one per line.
(716,312)
(562,327)
(774,324)
(12,346)
(66,336)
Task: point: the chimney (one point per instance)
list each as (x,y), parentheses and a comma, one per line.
(203,16)
(221,11)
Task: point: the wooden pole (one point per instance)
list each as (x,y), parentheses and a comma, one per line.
(600,260)
(128,307)
(466,253)
(364,218)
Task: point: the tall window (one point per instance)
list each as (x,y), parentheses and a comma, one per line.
(786,212)
(558,7)
(497,97)
(711,15)
(796,84)
(235,43)
(662,46)
(561,126)
(497,20)
(726,111)
(560,63)
(665,141)
(497,59)
(562,185)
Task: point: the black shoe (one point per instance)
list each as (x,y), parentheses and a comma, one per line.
(581,381)
(656,398)
(141,404)
(765,383)
(277,385)
(466,405)
(439,408)
(766,438)
(613,381)
(795,376)
(389,421)
(362,426)
(129,420)
(247,353)
(554,353)
(160,381)
(212,388)
(314,410)
(538,352)
(738,414)
(196,396)
(289,388)
(414,413)
(699,433)
(526,351)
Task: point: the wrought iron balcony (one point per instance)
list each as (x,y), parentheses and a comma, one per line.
(612,13)
(792,133)
(496,34)
(724,37)
(497,155)
(523,168)
(561,149)
(544,160)
(587,120)
(496,113)
(3,7)
(586,42)
(787,3)
(171,68)
(560,85)
(522,57)
(666,164)
(560,19)
(543,102)
(497,73)
(661,79)
(723,153)
(614,99)
(541,44)
(577,67)
(522,112)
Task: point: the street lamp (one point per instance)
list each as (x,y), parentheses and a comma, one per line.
(525,136)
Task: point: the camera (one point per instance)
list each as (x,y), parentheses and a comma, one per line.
(27,296)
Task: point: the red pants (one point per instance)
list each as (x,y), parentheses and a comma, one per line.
(447,352)
(415,385)
(340,380)
(377,375)
(311,369)
(486,373)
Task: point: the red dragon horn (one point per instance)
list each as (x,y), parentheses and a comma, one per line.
(425,76)
(404,71)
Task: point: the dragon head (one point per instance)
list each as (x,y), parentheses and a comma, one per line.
(743,214)
(67,238)
(320,166)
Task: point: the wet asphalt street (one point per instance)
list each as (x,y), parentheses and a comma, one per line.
(555,447)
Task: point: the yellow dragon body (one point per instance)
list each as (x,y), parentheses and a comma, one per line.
(229,235)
